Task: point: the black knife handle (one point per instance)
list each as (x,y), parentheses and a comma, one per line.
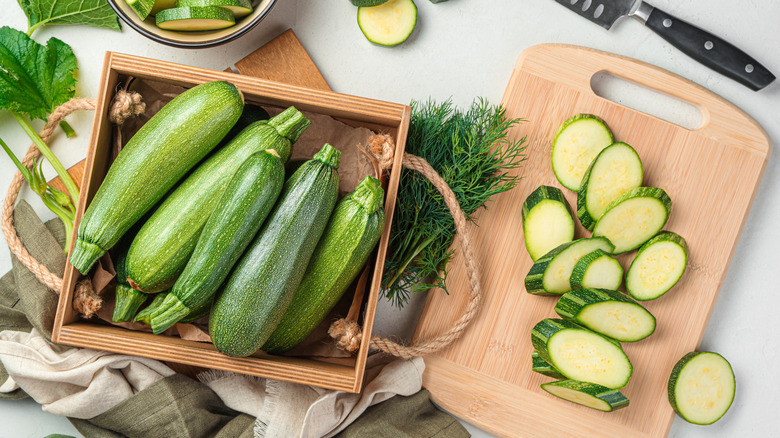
(710,50)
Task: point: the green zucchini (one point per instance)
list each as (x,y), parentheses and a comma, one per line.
(540,366)
(197,312)
(155,159)
(160,5)
(597,270)
(634,217)
(237,217)
(261,286)
(547,221)
(239,8)
(194,18)
(389,23)
(352,233)
(587,394)
(162,248)
(145,314)
(127,300)
(578,141)
(615,170)
(658,266)
(141,7)
(581,354)
(551,274)
(608,312)
(701,387)
(367,3)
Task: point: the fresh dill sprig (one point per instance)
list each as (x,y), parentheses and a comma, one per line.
(473,154)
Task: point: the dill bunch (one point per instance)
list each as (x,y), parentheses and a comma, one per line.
(471,151)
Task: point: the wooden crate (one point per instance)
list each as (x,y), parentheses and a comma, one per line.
(342,374)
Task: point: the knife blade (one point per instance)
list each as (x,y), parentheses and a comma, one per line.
(708,49)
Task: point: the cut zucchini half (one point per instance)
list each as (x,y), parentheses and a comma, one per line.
(540,366)
(160,5)
(608,312)
(634,218)
(551,273)
(239,8)
(615,170)
(389,23)
(701,387)
(367,3)
(141,7)
(547,221)
(578,141)
(597,270)
(194,18)
(581,354)
(658,266)
(587,394)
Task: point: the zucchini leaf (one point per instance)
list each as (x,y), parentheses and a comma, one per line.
(96,13)
(34,79)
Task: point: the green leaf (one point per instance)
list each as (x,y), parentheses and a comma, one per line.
(34,79)
(96,13)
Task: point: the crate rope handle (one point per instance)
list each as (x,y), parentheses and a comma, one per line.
(347,333)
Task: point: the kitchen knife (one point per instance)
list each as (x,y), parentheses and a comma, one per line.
(699,44)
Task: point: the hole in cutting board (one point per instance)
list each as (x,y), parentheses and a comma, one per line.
(646,100)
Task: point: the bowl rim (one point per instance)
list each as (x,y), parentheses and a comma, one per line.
(199,45)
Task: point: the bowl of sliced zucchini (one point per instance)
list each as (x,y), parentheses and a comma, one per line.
(192,23)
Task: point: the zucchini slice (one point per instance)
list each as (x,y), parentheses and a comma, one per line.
(578,141)
(540,366)
(547,221)
(367,3)
(587,394)
(160,5)
(239,8)
(658,266)
(597,270)
(389,23)
(608,312)
(581,354)
(615,170)
(193,18)
(634,218)
(701,387)
(551,273)
(141,7)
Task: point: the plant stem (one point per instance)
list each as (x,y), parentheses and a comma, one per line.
(25,171)
(69,132)
(64,215)
(73,190)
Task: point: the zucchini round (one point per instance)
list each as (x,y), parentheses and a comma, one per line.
(587,394)
(597,270)
(658,266)
(389,23)
(634,218)
(551,274)
(540,366)
(608,312)
(701,387)
(194,18)
(578,141)
(239,8)
(547,221)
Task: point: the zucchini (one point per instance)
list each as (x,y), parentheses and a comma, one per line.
(580,354)
(608,312)
(146,313)
(239,8)
(578,141)
(389,23)
(597,270)
(367,3)
(193,18)
(155,159)
(701,387)
(551,273)
(633,218)
(658,266)
(352,233)
(540,366)
(261,286)
(237,217)
(587,394)
(615,170)
(162,248)
(127,300)
(141,7)
(160,5)
(547,221)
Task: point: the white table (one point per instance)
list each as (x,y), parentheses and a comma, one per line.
(465,49)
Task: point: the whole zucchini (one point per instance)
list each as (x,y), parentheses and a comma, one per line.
(160,252)
(261,286)
(237,217)
(155,158)
(127,300)
(352,233)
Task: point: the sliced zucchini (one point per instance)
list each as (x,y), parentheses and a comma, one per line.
(547,221)
(193,18)
(597,270)
(239,8)
(615,170)
(658,266)
(574,147)
(160,5)
(587,394)
(701,387)
(141,7)
(367,3)
(551,273)
(634,218)
(581,354)
(608,312)
(540,366)
(389,23)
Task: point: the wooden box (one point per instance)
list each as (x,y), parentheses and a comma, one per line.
(343,373)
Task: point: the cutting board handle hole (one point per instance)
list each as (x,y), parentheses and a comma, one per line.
(646,100)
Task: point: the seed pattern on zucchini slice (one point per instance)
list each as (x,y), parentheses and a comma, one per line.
(389,23)
(597,270)
(608,312)
(540,366)
(634,218)
(658,266)
(701,387)
(587,394)
(547,221)
(578,141)
(551,273)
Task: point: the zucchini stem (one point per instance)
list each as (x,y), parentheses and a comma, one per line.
(171,311)
(69,132)
(127,303)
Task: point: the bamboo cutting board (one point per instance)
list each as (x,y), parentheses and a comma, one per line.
(711,174)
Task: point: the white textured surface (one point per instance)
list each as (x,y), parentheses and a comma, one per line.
(464,49)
